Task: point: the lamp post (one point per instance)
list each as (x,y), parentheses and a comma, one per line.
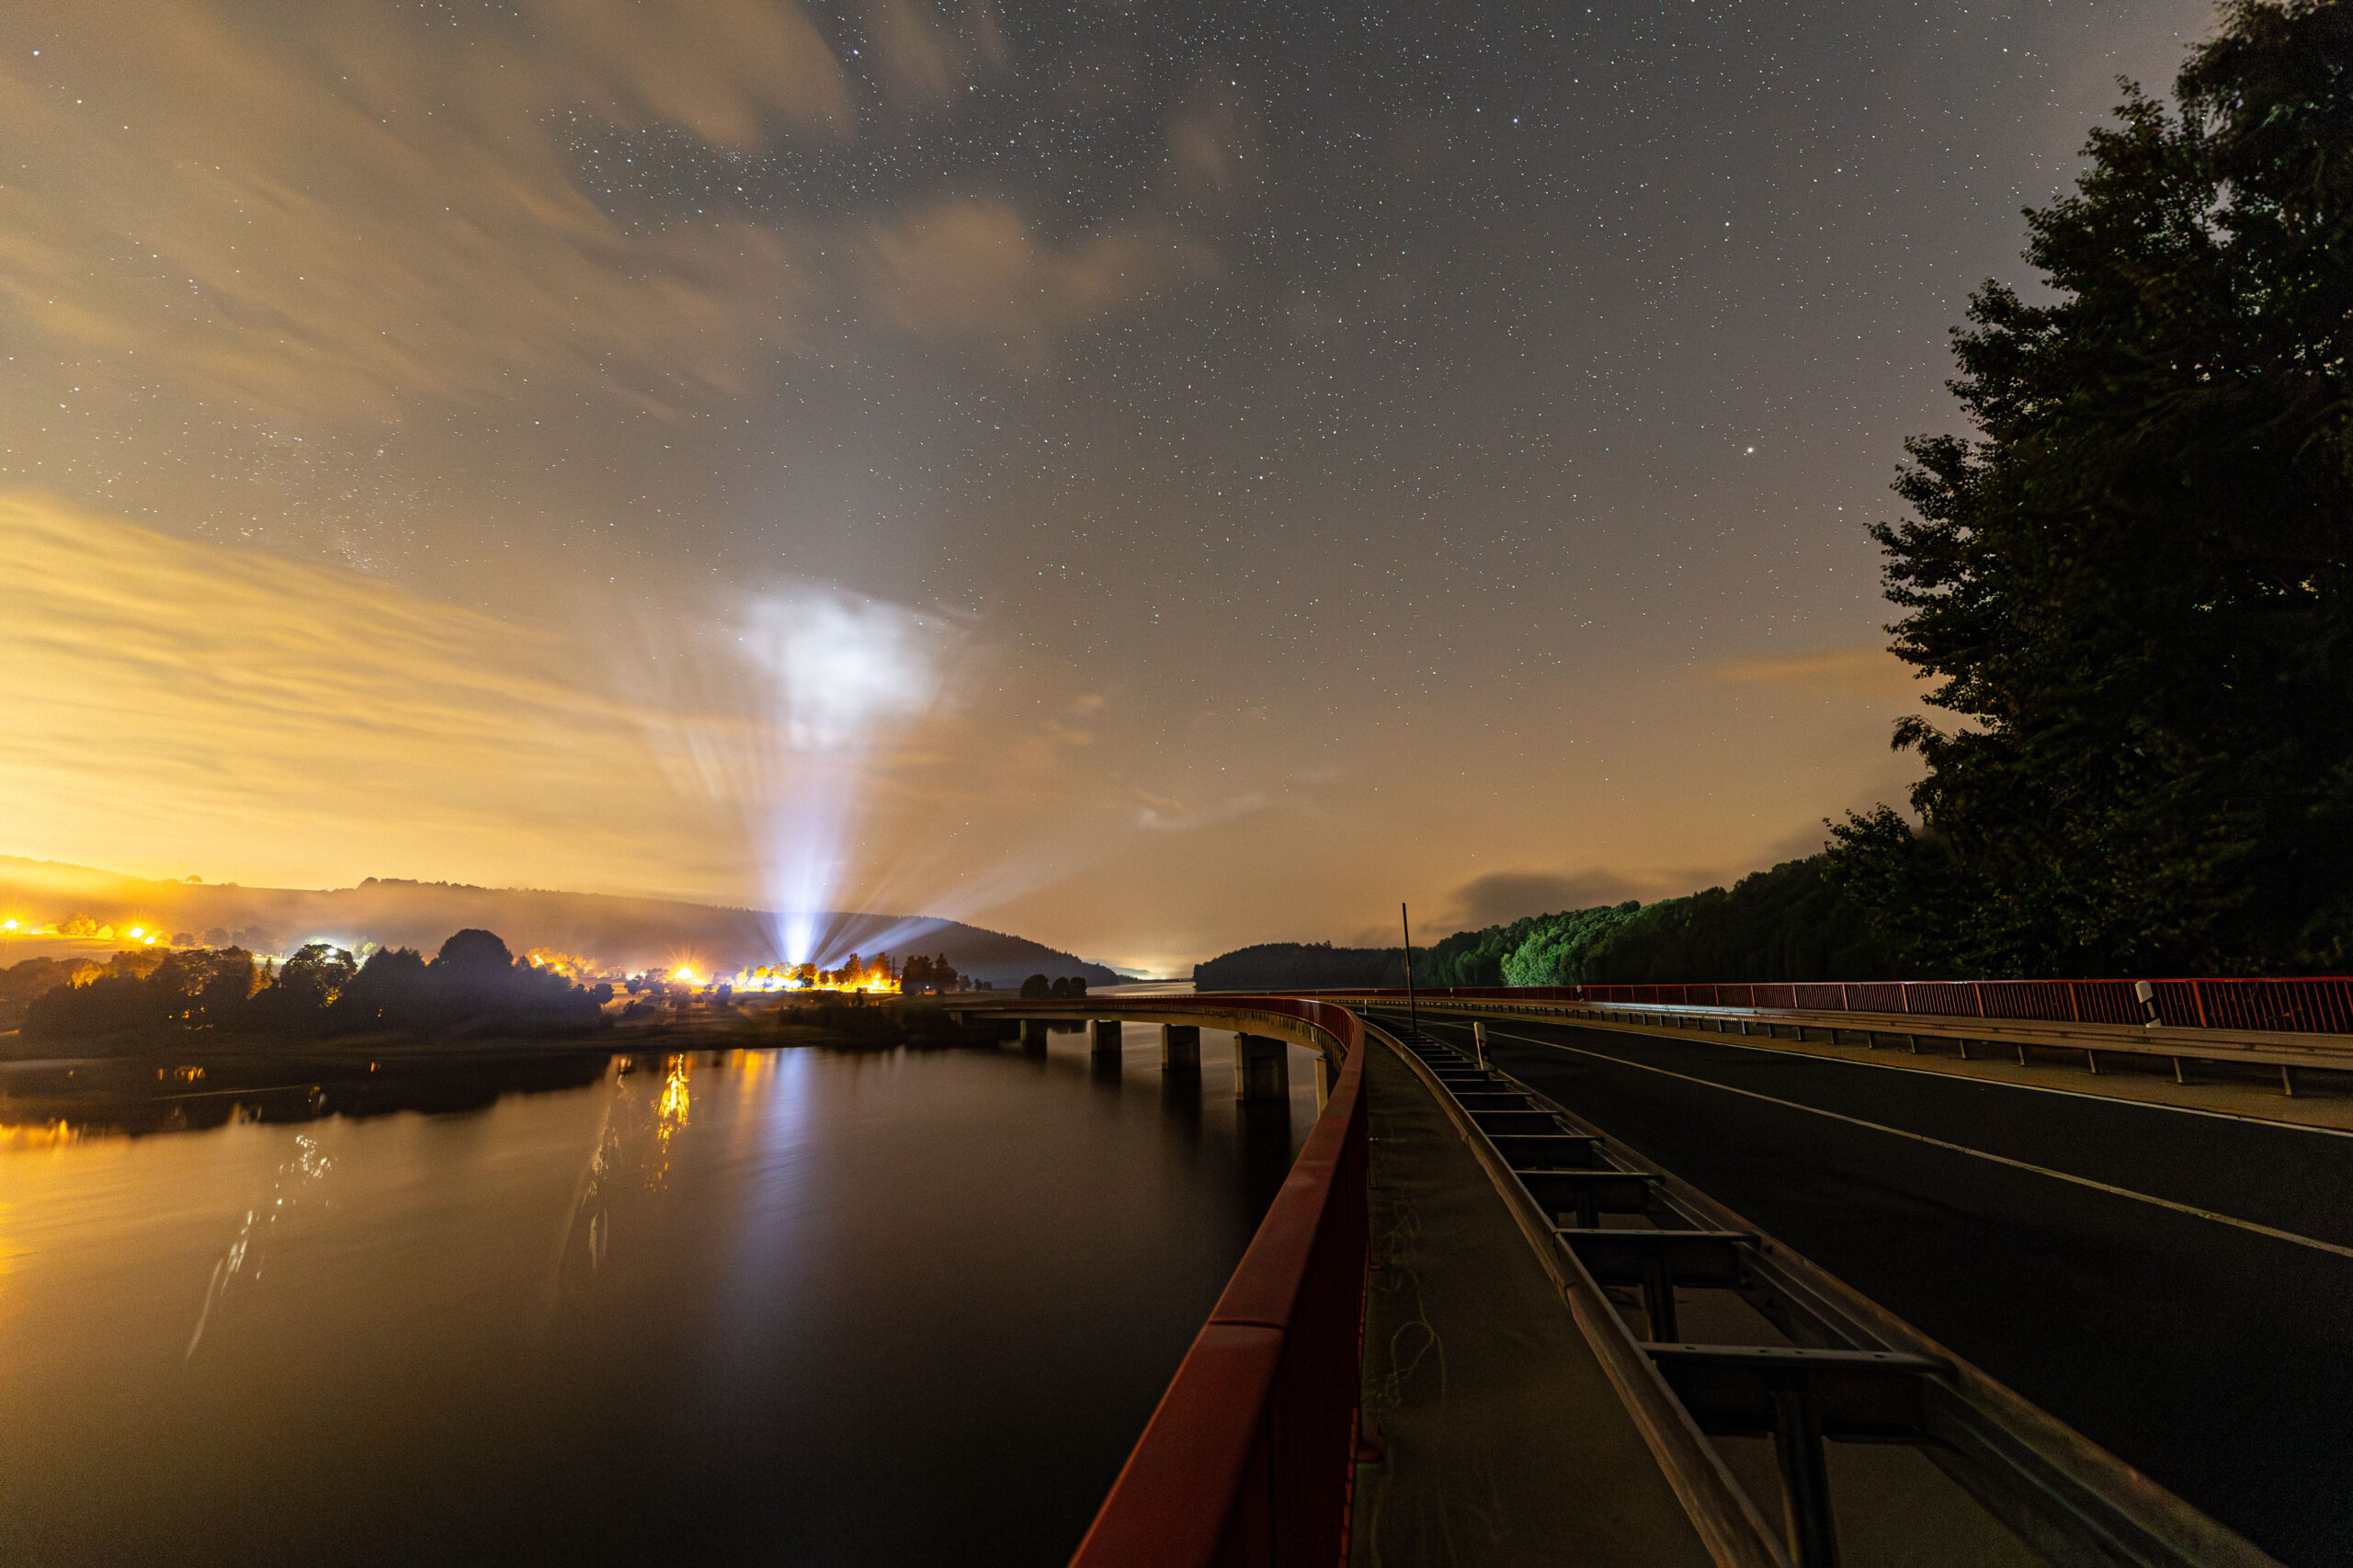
(1413,1013)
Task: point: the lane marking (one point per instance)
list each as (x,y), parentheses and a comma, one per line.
(1733,1042)
(2261,1230)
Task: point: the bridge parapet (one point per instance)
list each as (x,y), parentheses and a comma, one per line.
(1690,1007)
(2298,1005)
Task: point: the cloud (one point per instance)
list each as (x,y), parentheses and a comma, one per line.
(1863,670)
(1796,846)
(720,70)
(177,706)
(330,207)
(327,208)
(1501,897)
(170,699)
(971,270)
(1159,815)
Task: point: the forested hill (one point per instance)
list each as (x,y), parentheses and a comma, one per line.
(1785,924)
(1300,966)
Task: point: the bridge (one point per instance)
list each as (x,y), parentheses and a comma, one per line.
(1781,1278)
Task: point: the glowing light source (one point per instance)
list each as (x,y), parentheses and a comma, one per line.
(786,722)
(872,977)
(684,973)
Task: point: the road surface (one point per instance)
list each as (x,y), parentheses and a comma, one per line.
(2178,1286)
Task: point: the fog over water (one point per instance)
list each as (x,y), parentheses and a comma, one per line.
(796,1305)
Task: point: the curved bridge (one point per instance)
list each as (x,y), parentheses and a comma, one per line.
(1255,1454)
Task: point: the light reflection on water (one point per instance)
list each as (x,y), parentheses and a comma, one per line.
(793,1306)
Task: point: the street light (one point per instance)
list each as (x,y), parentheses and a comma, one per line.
(1413,1014)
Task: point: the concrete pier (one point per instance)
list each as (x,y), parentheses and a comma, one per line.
(1106,1037)
(1261,1068)
(1033,1034)
(1180,1048)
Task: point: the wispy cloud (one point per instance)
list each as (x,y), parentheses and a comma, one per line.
(1863,670)
(177,706)
(173,702)
(331,207)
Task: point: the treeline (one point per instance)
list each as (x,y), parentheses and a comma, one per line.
(1790,923)
(473,985)
(22,982)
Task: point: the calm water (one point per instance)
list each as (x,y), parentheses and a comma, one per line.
(793,1307)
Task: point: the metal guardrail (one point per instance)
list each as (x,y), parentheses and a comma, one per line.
(1250,1459)
(2284,1051)
(2303,1004)
(1851,1370)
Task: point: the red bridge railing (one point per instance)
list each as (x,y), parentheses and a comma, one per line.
(1251,1457)
(2318,1004)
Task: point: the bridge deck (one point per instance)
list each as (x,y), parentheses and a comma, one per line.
(1504,1442)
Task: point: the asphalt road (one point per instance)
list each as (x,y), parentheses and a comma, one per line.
(2216,1358)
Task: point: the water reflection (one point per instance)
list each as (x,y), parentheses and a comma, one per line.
(745,1305)
(294,1182)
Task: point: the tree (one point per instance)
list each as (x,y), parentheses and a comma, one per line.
(475,949)
(1036,988)
(2135,586)
(393,988)
(317,974)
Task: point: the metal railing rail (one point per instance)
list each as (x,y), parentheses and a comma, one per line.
(1250,1459)
(2300,1004)
(1852,1371)
(2090,1041)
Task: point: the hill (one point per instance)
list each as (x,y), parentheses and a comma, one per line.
(612,932)
(1788,923)
(1300,966)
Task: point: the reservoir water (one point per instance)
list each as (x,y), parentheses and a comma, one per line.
(795,1306)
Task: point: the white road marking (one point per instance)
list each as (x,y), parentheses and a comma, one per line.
(2271,1231)
(1734,1043)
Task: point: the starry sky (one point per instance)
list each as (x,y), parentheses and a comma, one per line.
(1150,477)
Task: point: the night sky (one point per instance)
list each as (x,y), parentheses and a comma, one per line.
(1149,477)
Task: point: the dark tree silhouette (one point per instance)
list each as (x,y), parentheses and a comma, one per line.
(2135,586)
(473,989)
(475,949)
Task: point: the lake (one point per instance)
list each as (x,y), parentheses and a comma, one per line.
(796,1306)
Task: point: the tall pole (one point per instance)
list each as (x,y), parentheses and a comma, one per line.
(1413,1013)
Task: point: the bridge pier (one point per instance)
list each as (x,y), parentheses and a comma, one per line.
(1033,1034)
(1261,1068)
(1106,1037)
(1180,1048)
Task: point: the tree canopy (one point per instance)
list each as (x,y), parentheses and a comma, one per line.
(320,993)
(2132,583)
